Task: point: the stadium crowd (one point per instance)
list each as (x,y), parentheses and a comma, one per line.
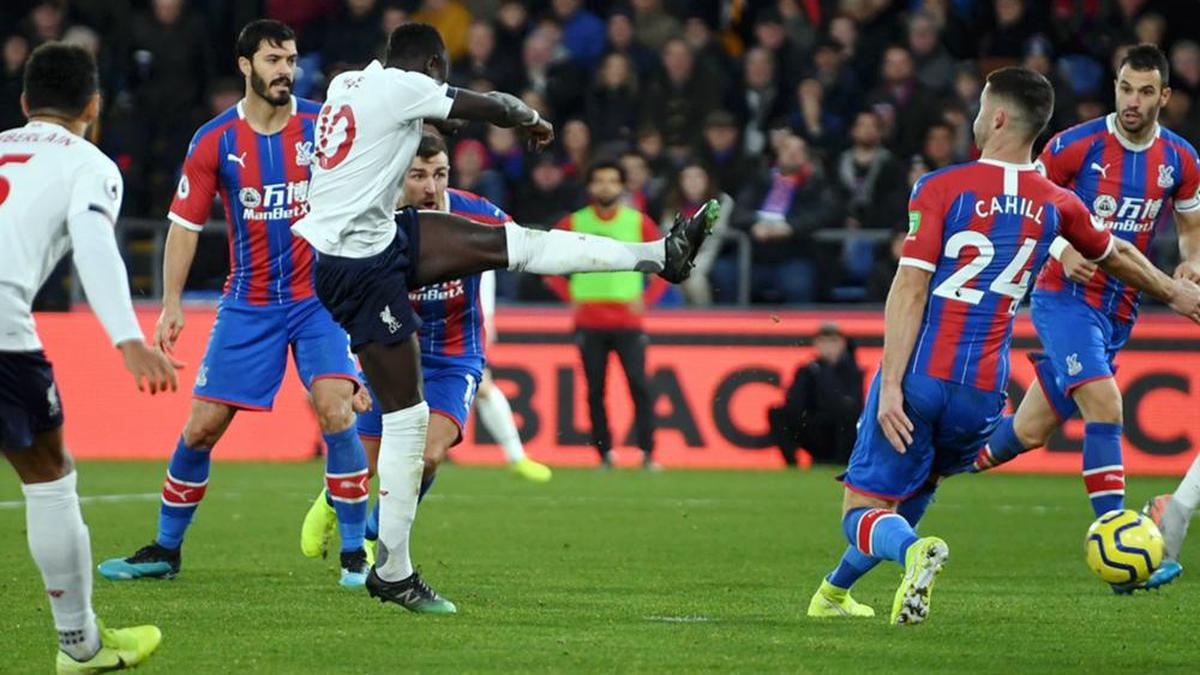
(808,119)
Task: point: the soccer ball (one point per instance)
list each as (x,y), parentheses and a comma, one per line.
(1123,547)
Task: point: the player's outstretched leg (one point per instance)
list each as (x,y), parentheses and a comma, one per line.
(1035,420)
(496,416)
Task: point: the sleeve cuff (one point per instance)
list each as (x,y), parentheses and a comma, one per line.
(1187,205)
(184,222)
(919,264)
(1057,247)
(1112,243)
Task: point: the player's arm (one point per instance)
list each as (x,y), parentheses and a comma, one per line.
(503,110)
(1187,220)
(95,203)
(906,305)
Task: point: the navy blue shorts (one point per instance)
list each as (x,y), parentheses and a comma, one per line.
(368,297)
(29,403)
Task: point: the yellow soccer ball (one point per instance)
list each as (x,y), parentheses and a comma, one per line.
(1123,547)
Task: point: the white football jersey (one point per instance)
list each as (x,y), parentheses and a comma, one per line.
(47,175)
(366,136)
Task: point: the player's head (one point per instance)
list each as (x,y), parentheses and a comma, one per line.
(266,55)
(605,182)
(1143,87)
(61,81)
(427,177)
(1016,104)
(419,47)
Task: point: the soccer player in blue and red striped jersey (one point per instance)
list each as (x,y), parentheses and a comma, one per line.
(1132,174)
(978,232)
(256,156)
(453,337)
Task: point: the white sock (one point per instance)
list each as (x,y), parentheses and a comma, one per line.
(563,252)
(400,464)
(496,416)
(58,541)
(1188,492)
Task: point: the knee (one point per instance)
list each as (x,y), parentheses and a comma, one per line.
(202,432)
(334,413)
(1034,433)
(1100,401)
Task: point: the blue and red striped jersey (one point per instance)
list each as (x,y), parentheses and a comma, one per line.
(452,319)
(1129,188)
(983,229)
(263,183)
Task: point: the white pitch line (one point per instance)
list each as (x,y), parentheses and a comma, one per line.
(98,499)
(679,619)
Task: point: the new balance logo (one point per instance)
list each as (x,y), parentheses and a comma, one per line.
(240,159)
(1103,170)
(392,323)
(1073,365)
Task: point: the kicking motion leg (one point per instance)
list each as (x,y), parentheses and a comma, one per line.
(496,416)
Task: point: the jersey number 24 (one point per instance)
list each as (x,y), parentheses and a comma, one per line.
(1012,281)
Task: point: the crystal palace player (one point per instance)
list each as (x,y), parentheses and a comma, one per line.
(57,193)
(257,155)
(977,233)
(1130,172)
(453,338)
(367,134)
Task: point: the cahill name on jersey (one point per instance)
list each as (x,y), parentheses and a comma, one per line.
(451,316)
(1130,190)
(983,229)
(263,184)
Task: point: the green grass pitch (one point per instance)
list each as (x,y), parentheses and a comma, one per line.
(684,571)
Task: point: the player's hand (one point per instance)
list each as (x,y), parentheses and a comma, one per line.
(1077,267)
(150,369)
(1185,299)
(169,327)
(1188,269)
(897,428)
(362,400)
(539,135)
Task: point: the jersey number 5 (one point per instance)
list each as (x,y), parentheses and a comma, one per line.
(4,184)
(1012,281)
(335,135)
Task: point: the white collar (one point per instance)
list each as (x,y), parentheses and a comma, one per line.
(1110,121)
(1008,165)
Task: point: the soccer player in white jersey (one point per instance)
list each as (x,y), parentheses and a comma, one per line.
(59,192)
(367,134)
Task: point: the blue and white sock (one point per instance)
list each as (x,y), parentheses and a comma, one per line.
(878,533)
(1001,447)
(184,487)
(1103,472)
(347,485)
(855,564)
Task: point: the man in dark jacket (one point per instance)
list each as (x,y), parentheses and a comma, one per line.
(823,403)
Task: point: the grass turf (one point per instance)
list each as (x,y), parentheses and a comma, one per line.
(680,571)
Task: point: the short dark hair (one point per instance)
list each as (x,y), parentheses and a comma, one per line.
(1029,90)
(601,165)
(432,144)
(253,34)
(60,77)
(413,42)
(1147,56)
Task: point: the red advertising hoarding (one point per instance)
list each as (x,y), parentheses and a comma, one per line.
(714,374)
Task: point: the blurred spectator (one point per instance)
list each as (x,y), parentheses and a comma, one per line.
(800,27)
(1089,107)
(471,173)
(583,32)
(1180,115)
(621,39)
(650,144)
(15,51)
(353,38)
(547,196)
(1152,29)
(693,187)
(812,122)
(822,404)
(676,102)
(643,190)
(901,101)
(757,100)
(611,107)
(482,63)
(880,280)
(870,178)
(780,210)
(451,19)
(1039,56)
(653,25)
(730,164)
(511,27)
(46,22)
(710,57)
(577,147)
(1013,27)
(934,67)
(771,36)
(841,91)
(938,149)
(508,157)
(552,74)
(844,32)
(967,87)
(1185,67)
